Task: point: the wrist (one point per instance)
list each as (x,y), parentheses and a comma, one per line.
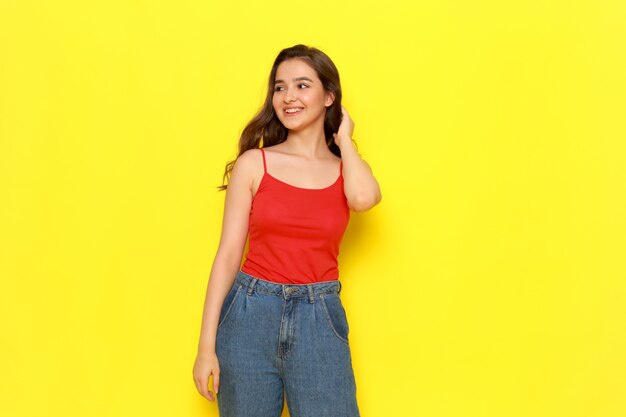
(344,141)
(206,351)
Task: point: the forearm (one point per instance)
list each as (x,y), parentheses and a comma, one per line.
(222,276)
(360,186)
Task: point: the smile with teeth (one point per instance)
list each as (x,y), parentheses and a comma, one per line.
(293,110)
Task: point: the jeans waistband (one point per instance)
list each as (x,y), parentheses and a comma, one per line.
(287,291)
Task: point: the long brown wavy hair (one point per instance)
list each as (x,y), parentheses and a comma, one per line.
(266,126)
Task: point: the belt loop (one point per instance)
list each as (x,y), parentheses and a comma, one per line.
(311,294)
(251,286)
(339,289)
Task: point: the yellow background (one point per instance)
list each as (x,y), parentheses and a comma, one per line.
(490,281)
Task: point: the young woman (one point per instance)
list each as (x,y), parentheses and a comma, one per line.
(275,325)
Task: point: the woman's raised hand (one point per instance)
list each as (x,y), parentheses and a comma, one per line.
(346,128)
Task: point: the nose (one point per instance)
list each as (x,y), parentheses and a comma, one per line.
(289,96)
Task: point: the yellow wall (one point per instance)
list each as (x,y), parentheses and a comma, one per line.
(490,281)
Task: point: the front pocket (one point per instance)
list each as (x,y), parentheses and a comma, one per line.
(228,303)
(335,315)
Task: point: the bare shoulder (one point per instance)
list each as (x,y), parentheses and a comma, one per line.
(252,159)
(246,168)
(248,159)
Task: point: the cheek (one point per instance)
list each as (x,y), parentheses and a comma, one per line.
(314,100)
(276,105)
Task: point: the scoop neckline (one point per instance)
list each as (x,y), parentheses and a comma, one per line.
(302,188)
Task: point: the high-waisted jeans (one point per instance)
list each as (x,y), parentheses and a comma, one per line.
(277,338)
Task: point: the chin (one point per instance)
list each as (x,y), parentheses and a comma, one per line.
(288,123)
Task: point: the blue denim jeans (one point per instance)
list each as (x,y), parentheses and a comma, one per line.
(284,339)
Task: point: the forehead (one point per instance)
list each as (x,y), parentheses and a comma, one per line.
(293,68)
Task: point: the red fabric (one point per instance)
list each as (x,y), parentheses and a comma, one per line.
(295,233)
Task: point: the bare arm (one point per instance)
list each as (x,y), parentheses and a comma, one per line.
(230,251)
(360,186)
(227,262)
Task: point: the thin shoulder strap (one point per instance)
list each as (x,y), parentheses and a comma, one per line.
(341,167)
(264,164)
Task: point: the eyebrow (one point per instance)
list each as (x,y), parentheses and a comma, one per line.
(294,79)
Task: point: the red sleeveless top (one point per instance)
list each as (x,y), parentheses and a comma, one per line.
(295,233)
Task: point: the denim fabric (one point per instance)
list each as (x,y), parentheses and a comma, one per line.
(284,339)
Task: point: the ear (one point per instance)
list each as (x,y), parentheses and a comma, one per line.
(330,99)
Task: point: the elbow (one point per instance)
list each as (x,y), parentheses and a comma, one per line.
(364,203)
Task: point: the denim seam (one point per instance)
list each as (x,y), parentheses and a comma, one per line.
(230,307)
(251,286)
(330,323)
(260,290)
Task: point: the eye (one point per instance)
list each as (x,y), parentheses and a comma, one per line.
(279,87)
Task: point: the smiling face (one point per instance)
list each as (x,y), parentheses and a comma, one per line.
(298,89)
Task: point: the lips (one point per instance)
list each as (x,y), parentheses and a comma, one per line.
(292,108)
(293,114)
